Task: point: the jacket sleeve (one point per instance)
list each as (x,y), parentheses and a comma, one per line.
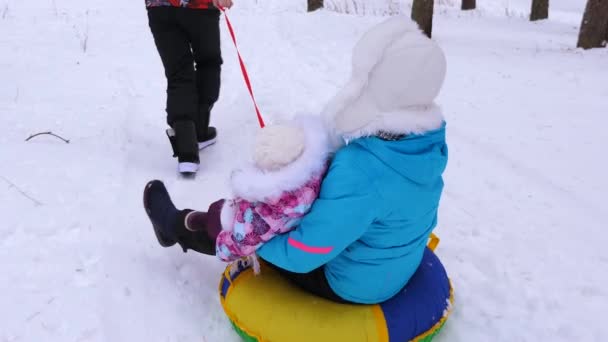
(240,235)
(339,217)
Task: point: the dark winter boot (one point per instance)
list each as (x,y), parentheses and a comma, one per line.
(208,139)
(184,142)
(206,135)
(209,222)
(169,222)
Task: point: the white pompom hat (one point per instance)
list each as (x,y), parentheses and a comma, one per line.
(277,146)
(285,157)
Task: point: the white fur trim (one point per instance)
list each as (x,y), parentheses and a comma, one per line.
(227,215)
(253,184)
(413,120)
(186,220)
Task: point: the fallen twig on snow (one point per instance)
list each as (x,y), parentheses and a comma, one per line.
(5,11)
(25,194)
(47,133)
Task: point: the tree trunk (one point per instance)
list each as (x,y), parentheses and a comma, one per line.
(468,5)
(594,28)
(422,13)
(314,5)
(540,10)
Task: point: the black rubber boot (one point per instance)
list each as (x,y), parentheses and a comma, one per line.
(184,142)
(209,139)
(205,134)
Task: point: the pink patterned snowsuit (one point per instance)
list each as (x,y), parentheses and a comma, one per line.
(254,223)
(270,203)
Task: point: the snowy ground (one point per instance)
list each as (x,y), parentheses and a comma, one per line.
(522,220)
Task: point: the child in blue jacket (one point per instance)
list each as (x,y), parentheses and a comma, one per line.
(365,235)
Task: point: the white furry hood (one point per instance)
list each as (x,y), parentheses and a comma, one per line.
(253,184)
(397,73)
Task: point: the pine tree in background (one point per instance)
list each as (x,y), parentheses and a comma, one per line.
(594,28)
(468,5)
(314,5)
(540,10)
(422,13)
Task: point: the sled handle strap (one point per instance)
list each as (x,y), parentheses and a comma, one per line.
(243,68)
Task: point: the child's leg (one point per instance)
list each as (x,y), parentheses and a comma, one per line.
(169,223)
(209,221)
(199,241)
(203,28)
(173,46)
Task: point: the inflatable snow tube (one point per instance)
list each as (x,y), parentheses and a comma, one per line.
(267,308)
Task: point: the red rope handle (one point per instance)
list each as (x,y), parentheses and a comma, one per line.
(243,69)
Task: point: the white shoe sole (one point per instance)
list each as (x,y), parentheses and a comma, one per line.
(205,144)
(187,167)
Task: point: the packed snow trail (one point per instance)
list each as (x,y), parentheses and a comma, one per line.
(522,226)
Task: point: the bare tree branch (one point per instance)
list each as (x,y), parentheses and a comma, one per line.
(47,133)
(25,194)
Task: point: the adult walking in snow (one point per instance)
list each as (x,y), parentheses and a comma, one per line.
(365,234)
(187,37)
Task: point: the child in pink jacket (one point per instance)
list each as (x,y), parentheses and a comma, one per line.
(271,195)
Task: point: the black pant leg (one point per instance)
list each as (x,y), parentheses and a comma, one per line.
(204,31)
(173,45)
(314,282)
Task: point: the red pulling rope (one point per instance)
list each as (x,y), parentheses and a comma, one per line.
(243,69)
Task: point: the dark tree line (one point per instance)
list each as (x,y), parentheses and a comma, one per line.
(594,27)
(314,5)
(468,5)
(593,31)
(540,10)
(422,13)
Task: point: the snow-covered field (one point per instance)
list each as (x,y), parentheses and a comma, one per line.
(522,222)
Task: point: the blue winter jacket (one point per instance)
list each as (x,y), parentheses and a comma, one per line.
(369,227)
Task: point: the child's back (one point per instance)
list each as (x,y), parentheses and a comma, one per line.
(378,203)
(403,186)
